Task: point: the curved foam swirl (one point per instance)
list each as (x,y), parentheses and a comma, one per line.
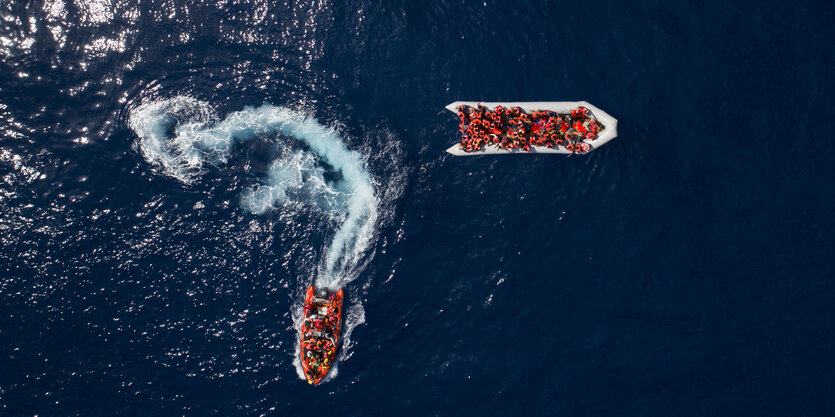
(198,136)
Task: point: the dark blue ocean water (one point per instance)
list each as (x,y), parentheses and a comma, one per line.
(174,174)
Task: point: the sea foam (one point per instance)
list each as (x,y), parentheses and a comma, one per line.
(181,135)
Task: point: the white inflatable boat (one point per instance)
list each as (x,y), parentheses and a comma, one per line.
(607,131)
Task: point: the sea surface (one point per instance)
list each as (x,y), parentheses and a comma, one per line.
(174,174)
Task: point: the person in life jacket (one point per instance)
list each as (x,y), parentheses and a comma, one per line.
(514,128)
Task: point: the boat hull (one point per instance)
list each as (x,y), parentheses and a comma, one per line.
(320,342)
(609,122)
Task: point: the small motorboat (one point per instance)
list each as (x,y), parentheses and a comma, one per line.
(321,327)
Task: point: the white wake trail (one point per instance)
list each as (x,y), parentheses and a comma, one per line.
(180,135)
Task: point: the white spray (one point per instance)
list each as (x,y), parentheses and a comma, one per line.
(296,178)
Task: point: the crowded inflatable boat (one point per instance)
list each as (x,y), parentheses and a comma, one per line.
(320,331)
(539,127)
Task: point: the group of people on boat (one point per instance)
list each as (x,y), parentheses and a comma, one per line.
(318,342)
(513,128)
